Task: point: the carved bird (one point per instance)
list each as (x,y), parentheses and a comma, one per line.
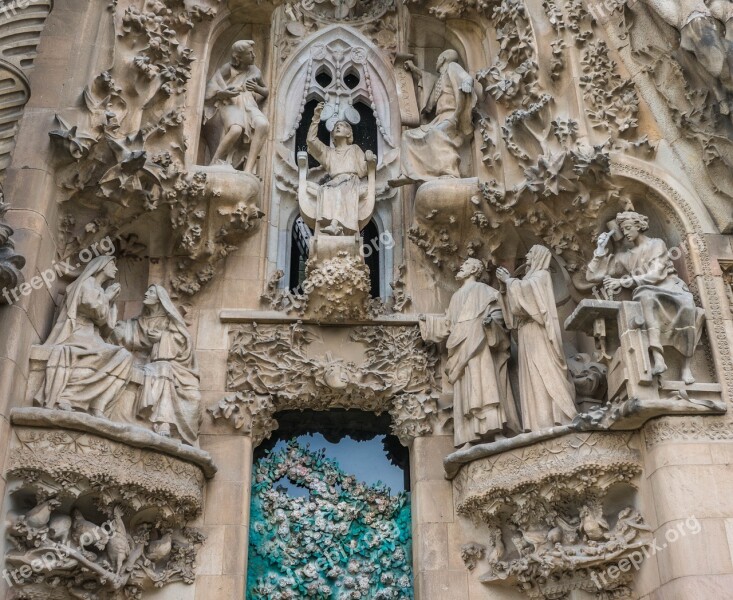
(159,549)
(118,546)
(39,515)
(60,528)
(592,523)
(85,533)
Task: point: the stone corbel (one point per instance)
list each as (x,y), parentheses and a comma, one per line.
(549,524)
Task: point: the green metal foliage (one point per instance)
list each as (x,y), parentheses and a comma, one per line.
(343,540)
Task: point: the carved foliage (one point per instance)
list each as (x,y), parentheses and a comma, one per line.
(545,507)
(108,519)
(270,368)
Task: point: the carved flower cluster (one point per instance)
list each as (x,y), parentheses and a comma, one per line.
(344,540)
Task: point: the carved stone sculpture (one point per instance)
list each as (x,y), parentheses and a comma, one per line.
(671,318)
(432,150)
(546,393)
(97,518)
(703,28)
(232,117)
(10,262)
(478,352)
(169,397)
(343,205)
(84,372)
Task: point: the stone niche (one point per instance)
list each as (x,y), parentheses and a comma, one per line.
(99,509)
(557,517)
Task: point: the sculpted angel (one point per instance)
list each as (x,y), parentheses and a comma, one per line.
(478,352)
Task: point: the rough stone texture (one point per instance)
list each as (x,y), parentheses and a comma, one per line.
(548,119)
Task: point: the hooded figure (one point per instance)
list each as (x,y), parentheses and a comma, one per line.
(170,397)
(478,353)
(433,150)
(546,393)
(84,372)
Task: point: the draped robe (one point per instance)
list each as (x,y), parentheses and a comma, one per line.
(83,370)
(338,199)
(432,150)
(671,317)
(477,362)
(546,393)
(170,392)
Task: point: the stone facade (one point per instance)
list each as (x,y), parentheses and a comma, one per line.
(503,227)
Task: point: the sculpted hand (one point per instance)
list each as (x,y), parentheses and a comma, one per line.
(370,156)
(503,275)
(488,321)
(113,291)
(154,335)
(467,86)
(318,111)
(227,93)
(252,86)
(422,318)
(612,285)
(602,243)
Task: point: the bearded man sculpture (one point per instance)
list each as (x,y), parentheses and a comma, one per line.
(478,352)
(670,315)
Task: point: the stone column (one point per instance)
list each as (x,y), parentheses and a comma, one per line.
(222,569)
(438,570)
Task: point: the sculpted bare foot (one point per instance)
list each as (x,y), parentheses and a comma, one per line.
(687,375)
(659,365)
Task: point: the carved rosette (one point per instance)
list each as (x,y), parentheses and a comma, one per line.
(99,516)
(552,527)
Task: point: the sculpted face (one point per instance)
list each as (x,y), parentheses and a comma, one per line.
(151,296)
(630,230)
(468,269)
(110,269)
(243,57)
(342,130)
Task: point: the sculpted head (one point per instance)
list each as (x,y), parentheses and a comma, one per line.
(151,296)
(110,269)
(343,130)
(632,224)
(447,57)
(473,267)
(243,53)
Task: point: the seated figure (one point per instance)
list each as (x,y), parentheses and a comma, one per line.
(170,397)
(84,372)
(344,204)
(433,150)
(670,314)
